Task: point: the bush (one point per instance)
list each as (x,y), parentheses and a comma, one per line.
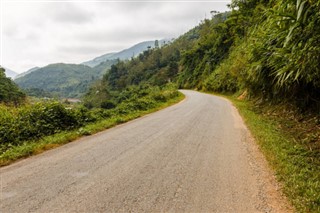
(35,121)
(108,105)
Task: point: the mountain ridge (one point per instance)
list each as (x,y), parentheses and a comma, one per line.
(73,80)
(128,53)
(27,72)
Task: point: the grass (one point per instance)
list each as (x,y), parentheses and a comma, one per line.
(282,139)
(34,147)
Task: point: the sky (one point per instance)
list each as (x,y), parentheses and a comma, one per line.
(37,33)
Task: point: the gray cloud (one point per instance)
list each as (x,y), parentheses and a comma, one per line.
(36,34)
(70,13)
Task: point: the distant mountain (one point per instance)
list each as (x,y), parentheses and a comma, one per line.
(73,80)
(27,72)
(96,61)
(10,73)
(127,53)
(64,80)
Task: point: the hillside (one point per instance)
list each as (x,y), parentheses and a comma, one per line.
(64,80)
(27,72)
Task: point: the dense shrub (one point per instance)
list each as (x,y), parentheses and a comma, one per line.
(31,122)
(34,121)
(108,104)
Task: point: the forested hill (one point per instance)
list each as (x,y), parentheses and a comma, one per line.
(64,80)
(268,49)
(153,67)
(73,80)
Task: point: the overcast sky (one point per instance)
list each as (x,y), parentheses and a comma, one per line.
(37,33)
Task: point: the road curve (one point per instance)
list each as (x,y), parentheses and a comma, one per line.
(196,156)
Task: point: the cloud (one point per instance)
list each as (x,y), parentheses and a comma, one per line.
(39,33)
(69,13)
(78,49)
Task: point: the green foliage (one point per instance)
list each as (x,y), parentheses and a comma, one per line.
(9,91)
(32,122)
(283,53)
(211,48)
(108,104)
(295,66)
(39,93)
(221,80)
(269,48)
(48,142)
(157,66)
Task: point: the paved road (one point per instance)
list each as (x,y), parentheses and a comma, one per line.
(196,156)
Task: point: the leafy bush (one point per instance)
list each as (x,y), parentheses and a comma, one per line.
(34,121)
(282,52)
(108,104)
(31,122)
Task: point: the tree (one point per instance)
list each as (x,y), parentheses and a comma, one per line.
(9,91)
(156,44)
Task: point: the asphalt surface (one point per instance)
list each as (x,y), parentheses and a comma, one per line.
(196,156)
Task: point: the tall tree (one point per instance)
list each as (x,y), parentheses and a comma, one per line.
(9,91)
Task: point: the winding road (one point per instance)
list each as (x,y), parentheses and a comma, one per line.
(195,156)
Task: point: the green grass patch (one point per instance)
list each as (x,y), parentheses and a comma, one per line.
(32,147)
(296,163)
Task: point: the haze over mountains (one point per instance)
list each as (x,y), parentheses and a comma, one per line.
(73,80)
(127,53)
(10,73)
